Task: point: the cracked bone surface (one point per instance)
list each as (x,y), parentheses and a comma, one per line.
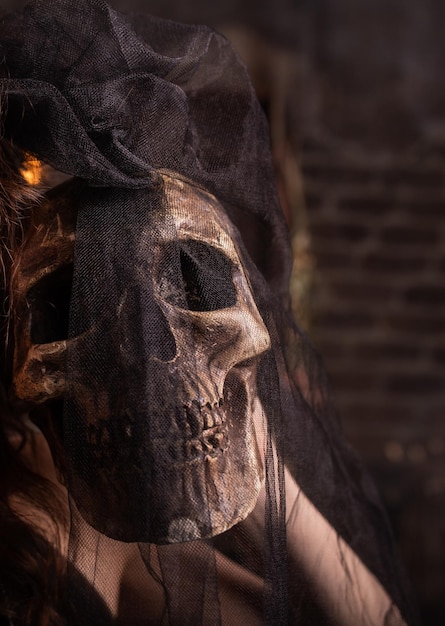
(40,297)
(198,443)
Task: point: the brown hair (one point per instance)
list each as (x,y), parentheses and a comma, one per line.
(31,564)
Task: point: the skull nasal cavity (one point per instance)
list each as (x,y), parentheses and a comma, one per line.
(160,343)
(207,276)
(49,302)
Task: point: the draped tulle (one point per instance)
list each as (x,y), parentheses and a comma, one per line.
(208,479)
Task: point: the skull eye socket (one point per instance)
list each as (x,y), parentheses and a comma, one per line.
(207,277)
(200,279)
(49,300)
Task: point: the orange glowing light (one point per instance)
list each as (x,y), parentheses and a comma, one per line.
(32,171)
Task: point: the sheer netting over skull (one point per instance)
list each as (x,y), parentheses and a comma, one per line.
(187,414)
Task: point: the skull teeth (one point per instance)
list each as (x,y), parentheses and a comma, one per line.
(201,418)
(205,427)
(211,419)
(194,421)
(209,445)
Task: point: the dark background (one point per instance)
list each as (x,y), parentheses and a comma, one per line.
(355,94)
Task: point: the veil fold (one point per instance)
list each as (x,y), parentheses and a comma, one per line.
(271,519)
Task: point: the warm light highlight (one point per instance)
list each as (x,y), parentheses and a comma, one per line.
(32,171)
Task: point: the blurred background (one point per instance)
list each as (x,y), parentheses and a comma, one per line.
(355,96)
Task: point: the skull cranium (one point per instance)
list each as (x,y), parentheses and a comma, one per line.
(205,471)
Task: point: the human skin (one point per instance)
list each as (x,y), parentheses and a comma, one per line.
(347,591)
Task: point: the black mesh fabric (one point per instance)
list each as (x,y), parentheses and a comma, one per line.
(198,440)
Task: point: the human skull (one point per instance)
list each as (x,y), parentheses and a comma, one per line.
(204,467)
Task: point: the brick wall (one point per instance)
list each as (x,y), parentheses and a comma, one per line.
(378,317)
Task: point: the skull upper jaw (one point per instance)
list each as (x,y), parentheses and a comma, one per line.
(180,462)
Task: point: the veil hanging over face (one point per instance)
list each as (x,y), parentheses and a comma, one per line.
(207,478)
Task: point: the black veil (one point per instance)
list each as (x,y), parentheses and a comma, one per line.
(180,336)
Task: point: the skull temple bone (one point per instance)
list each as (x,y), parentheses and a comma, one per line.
(196,444)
